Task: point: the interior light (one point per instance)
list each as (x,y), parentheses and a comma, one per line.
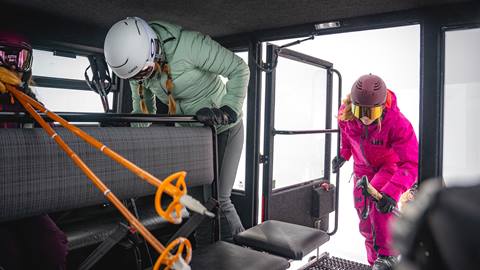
(327,25)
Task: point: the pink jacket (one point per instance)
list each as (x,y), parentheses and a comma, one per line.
(390,155)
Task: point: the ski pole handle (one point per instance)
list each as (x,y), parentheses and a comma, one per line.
(364,184)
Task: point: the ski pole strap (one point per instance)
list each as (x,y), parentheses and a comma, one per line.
(116,236)
(366,207)
(193,222)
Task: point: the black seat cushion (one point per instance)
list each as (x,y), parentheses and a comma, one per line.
(93,225)
(284,239)
(225,256)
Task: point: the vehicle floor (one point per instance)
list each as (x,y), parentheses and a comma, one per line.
(327,262)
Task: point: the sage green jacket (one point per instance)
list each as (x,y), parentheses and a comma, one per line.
(196,61)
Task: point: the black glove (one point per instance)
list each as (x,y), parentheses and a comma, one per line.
(214,116)
(386,204)
(337,163)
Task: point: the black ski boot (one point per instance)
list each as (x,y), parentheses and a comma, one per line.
(385,263)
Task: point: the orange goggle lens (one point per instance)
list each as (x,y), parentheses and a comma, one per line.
(371,112)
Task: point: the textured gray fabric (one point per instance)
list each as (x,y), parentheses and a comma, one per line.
(299,198)
(36,176)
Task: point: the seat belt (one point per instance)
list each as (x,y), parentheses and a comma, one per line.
(192,224)
(118,234)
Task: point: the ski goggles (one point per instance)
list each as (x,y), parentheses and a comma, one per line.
(19,59)
(373,113)
(144,73)
(155,55)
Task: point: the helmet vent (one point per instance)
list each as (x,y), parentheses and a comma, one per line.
(368,90)
(138,29)
(359,85)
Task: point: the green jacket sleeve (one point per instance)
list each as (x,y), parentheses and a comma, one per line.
(148,96)
(208,55)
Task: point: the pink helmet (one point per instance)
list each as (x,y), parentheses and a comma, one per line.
(15,52)
(369,90)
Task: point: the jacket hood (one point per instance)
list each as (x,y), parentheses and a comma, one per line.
(393,101)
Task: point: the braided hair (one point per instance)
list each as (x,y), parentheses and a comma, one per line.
(172,105)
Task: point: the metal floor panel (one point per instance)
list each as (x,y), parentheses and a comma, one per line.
(325,262)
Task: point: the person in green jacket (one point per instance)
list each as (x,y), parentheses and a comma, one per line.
(182,69)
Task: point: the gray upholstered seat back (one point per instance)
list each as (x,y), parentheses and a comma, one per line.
(36,176)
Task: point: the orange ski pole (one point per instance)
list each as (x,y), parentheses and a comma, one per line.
(176,261)
(178,192)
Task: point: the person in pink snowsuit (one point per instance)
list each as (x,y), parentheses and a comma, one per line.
(385,149)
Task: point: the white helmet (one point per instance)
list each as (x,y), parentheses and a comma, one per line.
(131,48)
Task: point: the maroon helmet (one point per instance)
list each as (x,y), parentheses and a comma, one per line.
(368,91)
(15,52)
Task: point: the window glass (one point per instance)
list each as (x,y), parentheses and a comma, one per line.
(297,159)
(49,65)
(46,64)
(67,100)
(300,104)
(300,96)
(461,146)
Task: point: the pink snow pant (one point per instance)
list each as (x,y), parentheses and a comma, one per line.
(375,228)
(32,243)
